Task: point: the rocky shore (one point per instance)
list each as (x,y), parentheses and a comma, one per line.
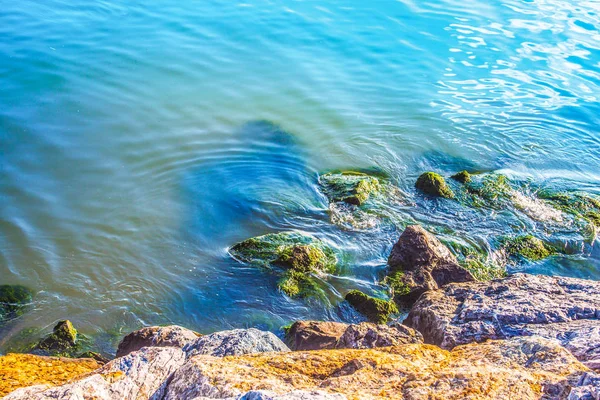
(472,331)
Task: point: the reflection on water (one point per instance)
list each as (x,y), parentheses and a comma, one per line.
(132,156)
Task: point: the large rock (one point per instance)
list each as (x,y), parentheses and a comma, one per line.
(420,262)
(156,336)
(521,368)
(139,375)
(235,342)
(63,339)
(319,335)
(22,370)
(566,309)
(374,309)
(588,388)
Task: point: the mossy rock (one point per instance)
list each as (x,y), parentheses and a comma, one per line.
(434,184)
(300,285)
(396,284)
(349,186)
(62,338)
(476,260)
(581,205)
(13,301)
(492,189)
(303,258)
(376,310)
(462,177)
(528,247)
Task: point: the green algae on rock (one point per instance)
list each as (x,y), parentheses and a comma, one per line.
(398,287)
(349,186)
(13,301)
(581,205)
(299,255)
(462,177)
(376,310)
(476,260)
(492,189)
(62,339)
(528,247)
(434,184)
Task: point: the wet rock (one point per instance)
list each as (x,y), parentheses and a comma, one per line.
(319,335)
(490,190)
(94,356)
(588,388)
(296,255)
(349,187)
(376,310)
(235,342)
(565,309)
(420,262)
(23,370)
(13,301)
(462,177)
(139,375)
(156,336)
(315,335)
(434,184)
(580,204)
(521,368)
(528,247)
(62,339)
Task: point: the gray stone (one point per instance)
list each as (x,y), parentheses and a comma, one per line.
(235,342)
(367,336)
(156,336)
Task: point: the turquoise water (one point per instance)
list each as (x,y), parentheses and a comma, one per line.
(140,139)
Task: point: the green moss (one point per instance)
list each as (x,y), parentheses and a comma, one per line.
(349,186)
(396,284)
(376,310)
(303,258)
(301,285)
(462,177)
(528,247)
(581,205)
(475,260)
(434,184)
(13,301)
(62,338)
(24,341)
(491,188)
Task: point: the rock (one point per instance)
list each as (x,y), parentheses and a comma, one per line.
(295,395)
(62,339)
(566,309)
(94,356)
(528,247)
(13,301)
(420,262)
(434,185)
(349,187)
(22,370)
(376,310)
(315,335)
(368,336)
(156,336)
(579,204)
(462,177)
(139,375)
(235,342)
(491,190)
(299,256)
(319,335)
(588,388)
(521,368)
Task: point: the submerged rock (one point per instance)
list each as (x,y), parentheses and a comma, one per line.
(462,177)
(376,310)
(62,340)
(523,368)
(584,206)
(298,255)
(420,262)
(156,336)
(320,335)
(528,247)
(566,309)
(235,342)
(434,184)
(13,301)
(22,370)
(349,186)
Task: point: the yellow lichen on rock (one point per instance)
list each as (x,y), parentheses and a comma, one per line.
(20,370)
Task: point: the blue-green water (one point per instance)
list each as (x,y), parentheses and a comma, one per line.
(135,148)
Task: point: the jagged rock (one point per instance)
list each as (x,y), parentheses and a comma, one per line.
(520,368)
(295,395)
(139,375)
(235,342)
(588,388)
(319,335)
(62,339)
(376,310)
(420,262)
(315,335)
(566,309)
(156,336)
(19,370)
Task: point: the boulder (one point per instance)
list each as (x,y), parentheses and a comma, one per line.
(528,247)
(420,262)
(23,370)
(13,301)
(588,388)
(319,335)
(235,342)
(139,375)
(376,310)
(63,339)
(434,184)
(520,368)
(462,177)
(566,309)
(156,336)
